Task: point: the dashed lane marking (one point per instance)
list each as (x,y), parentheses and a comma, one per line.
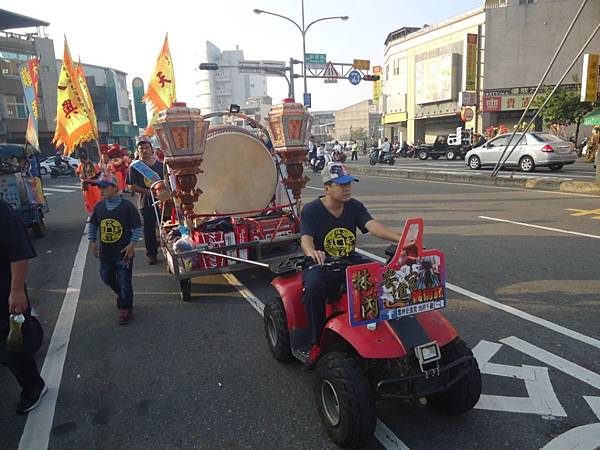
(51,189)
(383,434)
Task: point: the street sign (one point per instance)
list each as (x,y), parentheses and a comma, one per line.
(330,74)
(354,77)
(361,64)
(467,98)
(307,100)
(316,60)
(467,115)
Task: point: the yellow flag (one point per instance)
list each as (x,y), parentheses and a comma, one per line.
(87,99)
(149,131)
(73,124)
(161,89)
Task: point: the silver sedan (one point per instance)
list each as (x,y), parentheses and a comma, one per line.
(534,150)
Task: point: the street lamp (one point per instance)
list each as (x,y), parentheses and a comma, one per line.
(303,29)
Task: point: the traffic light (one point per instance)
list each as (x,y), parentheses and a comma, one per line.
(371,77)
(208,66)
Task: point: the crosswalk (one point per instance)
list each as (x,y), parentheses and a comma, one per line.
(61,189)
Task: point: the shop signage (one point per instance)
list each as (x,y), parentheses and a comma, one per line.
(433,79)
(590,85)
(377,84)
(467,115)
(511,99)
(471,62)
(467,98)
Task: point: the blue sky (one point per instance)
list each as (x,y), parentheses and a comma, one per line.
(127,35)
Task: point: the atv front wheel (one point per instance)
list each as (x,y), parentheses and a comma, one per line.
(345,400)
(276,330)
(464,394)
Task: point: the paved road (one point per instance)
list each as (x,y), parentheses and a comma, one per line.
(199,374)
(580,171)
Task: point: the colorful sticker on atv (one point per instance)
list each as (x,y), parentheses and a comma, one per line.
(339,242)
(413,282)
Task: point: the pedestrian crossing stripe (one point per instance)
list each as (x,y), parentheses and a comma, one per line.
(60,190)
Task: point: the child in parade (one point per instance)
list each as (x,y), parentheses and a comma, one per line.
(88,171)
(116,224)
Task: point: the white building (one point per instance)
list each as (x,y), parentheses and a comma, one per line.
(217,89)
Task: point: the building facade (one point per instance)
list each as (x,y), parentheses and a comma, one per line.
(227,85)
(480,68)
(16,48)
(362,115)
(323,125)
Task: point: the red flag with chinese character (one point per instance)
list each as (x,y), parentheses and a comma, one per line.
(73,123)
(161,89)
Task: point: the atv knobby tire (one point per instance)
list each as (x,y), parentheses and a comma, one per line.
(276,330)
(464,394)
(340,380)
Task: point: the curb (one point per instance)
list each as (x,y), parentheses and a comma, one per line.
(542,184)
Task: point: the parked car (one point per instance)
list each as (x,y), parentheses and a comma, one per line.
(440,147)
(46,163)
(534,150)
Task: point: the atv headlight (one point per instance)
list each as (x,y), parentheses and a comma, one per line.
(428,353)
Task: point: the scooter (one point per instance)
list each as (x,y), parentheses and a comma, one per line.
(384,338)
(339,156)
(318,163)
(64,170)
(374,158)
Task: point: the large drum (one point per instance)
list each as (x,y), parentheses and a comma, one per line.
(239,173)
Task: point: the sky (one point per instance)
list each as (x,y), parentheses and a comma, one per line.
(127,35)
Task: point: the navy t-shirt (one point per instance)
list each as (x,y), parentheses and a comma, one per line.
(15,245)
(336,236)
(115,228)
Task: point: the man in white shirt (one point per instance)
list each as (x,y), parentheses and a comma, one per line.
(384,149)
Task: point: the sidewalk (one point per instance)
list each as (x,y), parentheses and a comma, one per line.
(531,182)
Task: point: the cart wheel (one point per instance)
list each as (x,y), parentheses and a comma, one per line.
(186,289)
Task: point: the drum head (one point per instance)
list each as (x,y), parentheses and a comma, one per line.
(239,173)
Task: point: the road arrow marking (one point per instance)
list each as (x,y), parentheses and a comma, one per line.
(581,373)
(594,403)
(541,398)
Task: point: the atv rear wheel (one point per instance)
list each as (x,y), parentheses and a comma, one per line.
(450,155)
(464,394)
(345,400)
(276,330)
(423,155)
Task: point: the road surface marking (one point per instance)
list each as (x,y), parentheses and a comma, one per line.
(585,212)
(315,188)
(58,190)
(585,437)
(541,398)
(509,309)
(557,230)
(36,434)
(576,371)
(383,434)
(68,186)
(594,403)
(47,194)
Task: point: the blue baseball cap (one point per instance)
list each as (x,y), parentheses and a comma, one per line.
(337,173)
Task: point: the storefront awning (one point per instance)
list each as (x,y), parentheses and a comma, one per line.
(593,118)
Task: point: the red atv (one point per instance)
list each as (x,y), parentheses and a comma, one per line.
(383,338)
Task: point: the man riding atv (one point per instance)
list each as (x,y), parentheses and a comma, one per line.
(328,229)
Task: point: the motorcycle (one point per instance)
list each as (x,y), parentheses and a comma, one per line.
(64,170)
(384,338)
(339,156)
(375,158)
(318,163)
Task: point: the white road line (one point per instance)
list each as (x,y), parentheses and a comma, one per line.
(67,186)
(594,403)
(36,434)
(509,309)
(581,373)
(585,437)
(47,194)
(58,190)
(384,435)
(315,188)
(558,230)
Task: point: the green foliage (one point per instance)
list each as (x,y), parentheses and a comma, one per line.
(563,109)
(358,134)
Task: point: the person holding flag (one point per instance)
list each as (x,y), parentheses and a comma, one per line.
(88,171)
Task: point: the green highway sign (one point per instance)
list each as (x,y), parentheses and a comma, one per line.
(316,59)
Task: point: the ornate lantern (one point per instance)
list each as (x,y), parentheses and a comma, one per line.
(289,124)
(182,133)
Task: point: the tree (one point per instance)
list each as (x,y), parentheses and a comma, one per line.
(358,134)
(563,109)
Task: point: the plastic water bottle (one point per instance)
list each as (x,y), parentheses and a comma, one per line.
(14,341)
(184,244)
